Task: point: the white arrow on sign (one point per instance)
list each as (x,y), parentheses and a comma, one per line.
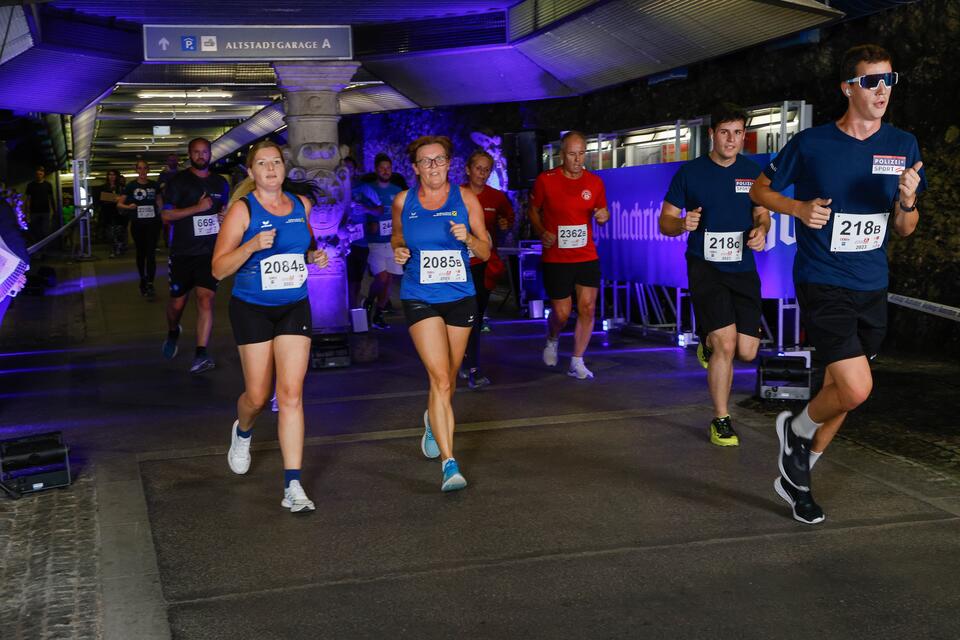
(164,43)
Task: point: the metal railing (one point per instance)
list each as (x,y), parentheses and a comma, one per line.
(82,221)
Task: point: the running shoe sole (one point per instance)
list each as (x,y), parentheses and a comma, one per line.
(778,487)
(454,483)
(573,374)
(206,365)
(300,508)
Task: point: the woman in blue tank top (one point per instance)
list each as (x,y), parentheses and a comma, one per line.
(436,227)
(266,240)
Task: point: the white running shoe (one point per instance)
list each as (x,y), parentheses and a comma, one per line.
(550,353)
(579,371)
(239,455)
(295,499)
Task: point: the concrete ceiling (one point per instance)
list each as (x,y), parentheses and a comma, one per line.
(414,53)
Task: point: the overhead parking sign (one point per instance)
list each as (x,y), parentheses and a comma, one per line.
(239,43)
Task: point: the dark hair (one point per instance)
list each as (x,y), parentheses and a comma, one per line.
(423,141)
(572,134)
(143,160)
(479,153)
(203,140)
(727,112)
(862,53)
(381,157)
(263,144)
(349,159)
(40,167)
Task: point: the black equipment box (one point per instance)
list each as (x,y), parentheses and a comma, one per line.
(784,377)
(34,463)
(330,350)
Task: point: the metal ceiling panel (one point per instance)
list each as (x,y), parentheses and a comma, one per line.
(619,41)
(193,75)
(16,33)
(532,15)
(279,11)
(373,98)
(262,123)
(82,127)
(467,76)
(54,81)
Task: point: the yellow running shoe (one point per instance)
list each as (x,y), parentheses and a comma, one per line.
(703,353)
(722,433)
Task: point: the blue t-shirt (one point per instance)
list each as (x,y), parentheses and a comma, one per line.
(292,239)
(861,177)
(434,250)
(724,194)
(384,220)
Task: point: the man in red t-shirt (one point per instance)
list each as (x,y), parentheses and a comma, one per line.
(497,217)
(564,203)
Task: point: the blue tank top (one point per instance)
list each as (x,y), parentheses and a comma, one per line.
(278,275)
(439,268)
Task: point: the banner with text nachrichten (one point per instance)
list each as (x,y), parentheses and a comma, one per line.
(632,248)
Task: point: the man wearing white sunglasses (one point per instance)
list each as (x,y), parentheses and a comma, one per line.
(854,180)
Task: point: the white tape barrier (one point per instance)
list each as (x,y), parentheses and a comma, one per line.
(933,308)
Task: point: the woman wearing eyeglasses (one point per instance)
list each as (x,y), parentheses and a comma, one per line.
(434,226)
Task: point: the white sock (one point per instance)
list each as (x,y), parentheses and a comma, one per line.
(803,425)
(575,360)
(553,341)
(444,463)
(814,456)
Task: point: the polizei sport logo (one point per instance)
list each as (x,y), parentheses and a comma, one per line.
(889,165)
(742,185)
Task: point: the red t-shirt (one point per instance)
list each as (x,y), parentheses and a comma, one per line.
(495,205)
(569,203)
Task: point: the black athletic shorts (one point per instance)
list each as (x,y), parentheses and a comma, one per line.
(842,323)
(722,298)
(357,263)
(561,278)
(254,323)
(187,272)
(459,313)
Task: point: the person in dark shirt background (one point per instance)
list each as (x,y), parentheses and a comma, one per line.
(40,205)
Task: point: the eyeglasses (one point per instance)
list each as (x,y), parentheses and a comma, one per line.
(873,80)
(439,161)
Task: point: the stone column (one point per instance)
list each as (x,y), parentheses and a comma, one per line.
(312,155)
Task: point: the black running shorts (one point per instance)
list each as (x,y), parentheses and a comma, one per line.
(254,323)
(842,323)
(357,263)
(459,313)
(187,272)
(722,298)
(560,279)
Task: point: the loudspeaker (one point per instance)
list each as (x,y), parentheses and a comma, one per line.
(784,377)
(34,463)
(523,153)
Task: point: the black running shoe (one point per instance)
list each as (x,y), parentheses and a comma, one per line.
(805,510)
(378,321)
(794,457)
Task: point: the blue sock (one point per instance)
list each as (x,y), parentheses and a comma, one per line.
(244,434)
(289,475)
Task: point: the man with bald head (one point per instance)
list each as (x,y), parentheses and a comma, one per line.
(564,203)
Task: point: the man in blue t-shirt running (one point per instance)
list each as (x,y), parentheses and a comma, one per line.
(853,180)
(724,228)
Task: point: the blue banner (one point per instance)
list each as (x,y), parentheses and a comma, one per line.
(632,248)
